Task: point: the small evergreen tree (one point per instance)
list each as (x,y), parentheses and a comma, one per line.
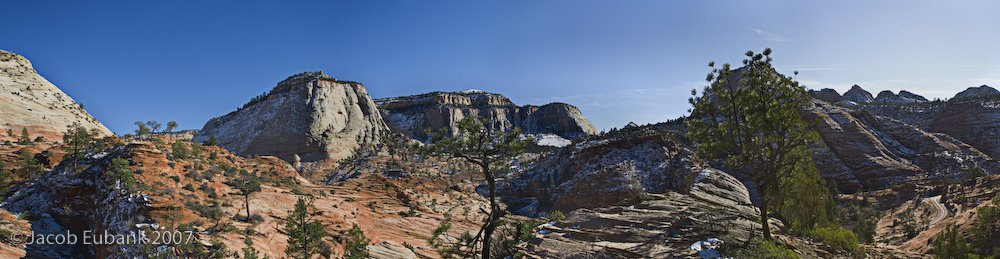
(304,233)
(142,131)
(986,232)
(76,141)
(154,126)
(356,245)
(25,139)
(247,183)
(30,168)
(171,126)
(120,173)
(951,245)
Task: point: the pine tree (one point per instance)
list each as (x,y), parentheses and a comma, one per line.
(247,183)
(77,140)
(491,151)
(749,118)
(25,139)
(304,233)
(142,131)
(356,245)
(171,126)
(120,173)
(951,245)
(30,168)
(798,203)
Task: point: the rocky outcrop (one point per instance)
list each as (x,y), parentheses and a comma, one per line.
(858,95)
(29,101)
(912,96)
(62,202)
(412,115)
(613,169)
(904,97)
(973,92)
(873,152)
(663,226)
(972,120)
(309,115)
(827,94)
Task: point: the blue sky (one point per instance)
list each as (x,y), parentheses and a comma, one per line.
(619,61)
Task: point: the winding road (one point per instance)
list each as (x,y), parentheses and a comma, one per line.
(940,212)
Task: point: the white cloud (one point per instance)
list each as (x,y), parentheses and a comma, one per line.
(769,36)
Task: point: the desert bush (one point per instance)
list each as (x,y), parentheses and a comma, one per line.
(835,237)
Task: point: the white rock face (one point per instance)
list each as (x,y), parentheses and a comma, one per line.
(29,101)
(308,115)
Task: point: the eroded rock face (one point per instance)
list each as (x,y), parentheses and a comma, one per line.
(873,152)
(973,120)
(604,171)
(308,115)
(858,95)
(29,101)
(663,226)
(412,115)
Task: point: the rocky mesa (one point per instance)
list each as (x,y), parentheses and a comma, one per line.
(412,115)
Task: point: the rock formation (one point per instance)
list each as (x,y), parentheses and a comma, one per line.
(873,152)
(29,101)
(972,92)
(612,169)
(913,96)
(858,95)
(904,97)
(412,115)
(826,94)
(973,120)
(309,115)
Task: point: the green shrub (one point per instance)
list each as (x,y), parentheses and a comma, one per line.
(758,249)
(836,237)
(557,216)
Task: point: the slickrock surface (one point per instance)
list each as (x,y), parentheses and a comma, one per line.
(308,115)
(872,152)
(412,115)
(28,100)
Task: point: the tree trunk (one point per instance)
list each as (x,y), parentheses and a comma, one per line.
(488,232)
(246,201)
(763,218)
